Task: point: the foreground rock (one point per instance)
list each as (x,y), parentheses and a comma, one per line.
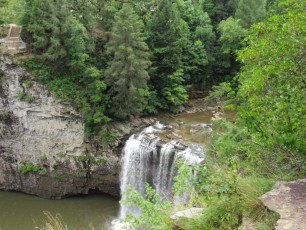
(181,217)
(43,149)
(289,200)
(188,213)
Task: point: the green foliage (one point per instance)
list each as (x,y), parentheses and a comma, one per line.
(55,165)
(11,11)
(127,72)
(43,157)
(272,80)
(223,94)
(174,92)
(85,94)
(83,158)
(5,116)
(225,195)
(3,132)
(198,55)
(58,177)
(29,168)
(168,39)
(42,172)
(61,155)
(27,83)
(22,96)
(8,150)
(99,160)
(219,10)
(155,212)
(81,53)
(251,11)
(107,137)
(232,33)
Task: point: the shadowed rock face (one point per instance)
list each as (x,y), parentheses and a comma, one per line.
(36,129)
(289,200)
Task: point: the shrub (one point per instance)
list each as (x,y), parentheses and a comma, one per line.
(28,168)
(155,213)
(43,157)
(8,150)
(3,132)
(61,155)
(5,115)
(22,96)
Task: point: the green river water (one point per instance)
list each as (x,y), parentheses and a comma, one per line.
(25,212)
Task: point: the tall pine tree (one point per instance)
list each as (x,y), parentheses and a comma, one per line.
(127,74)
(168,39)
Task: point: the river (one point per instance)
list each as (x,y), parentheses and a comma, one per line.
(25,212)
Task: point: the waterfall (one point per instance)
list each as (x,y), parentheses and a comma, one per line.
(148,159)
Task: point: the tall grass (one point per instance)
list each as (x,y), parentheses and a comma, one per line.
(53,222)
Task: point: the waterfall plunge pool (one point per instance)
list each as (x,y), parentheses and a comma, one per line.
(25,212)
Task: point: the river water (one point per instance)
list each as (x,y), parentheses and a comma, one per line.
(25,212)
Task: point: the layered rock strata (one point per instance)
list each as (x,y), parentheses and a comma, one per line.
(43,149)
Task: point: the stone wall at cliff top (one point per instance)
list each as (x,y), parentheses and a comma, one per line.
(40,133)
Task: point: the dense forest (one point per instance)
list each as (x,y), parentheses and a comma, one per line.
(119,59)
(116,59)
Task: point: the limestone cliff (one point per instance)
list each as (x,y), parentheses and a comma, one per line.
(42,143)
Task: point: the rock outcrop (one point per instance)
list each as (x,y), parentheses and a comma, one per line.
(42,144)
(289,200)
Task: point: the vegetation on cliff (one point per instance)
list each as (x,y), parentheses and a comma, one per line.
(115,60)
(182,45)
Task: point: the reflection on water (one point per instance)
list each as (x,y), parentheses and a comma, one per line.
(24,212)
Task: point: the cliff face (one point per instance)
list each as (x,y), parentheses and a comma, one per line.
(42,147)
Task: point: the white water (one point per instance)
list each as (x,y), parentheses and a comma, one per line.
(146,159)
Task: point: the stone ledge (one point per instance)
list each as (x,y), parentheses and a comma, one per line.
(289,200)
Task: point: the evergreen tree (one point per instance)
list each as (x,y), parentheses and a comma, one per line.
(127,73)
(199,54)
(11,11)
(251,11)
(44,26)
(2,5)
(222,9)
(168,39)
(57,35)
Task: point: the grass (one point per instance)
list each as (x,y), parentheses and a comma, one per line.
(53,222)
(245,203)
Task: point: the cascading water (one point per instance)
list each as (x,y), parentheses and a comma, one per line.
(148,159)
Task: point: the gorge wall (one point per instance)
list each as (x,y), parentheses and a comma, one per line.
(43,150)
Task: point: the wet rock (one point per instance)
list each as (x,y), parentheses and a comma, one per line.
(289,200)
(176,136)
(217,116)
